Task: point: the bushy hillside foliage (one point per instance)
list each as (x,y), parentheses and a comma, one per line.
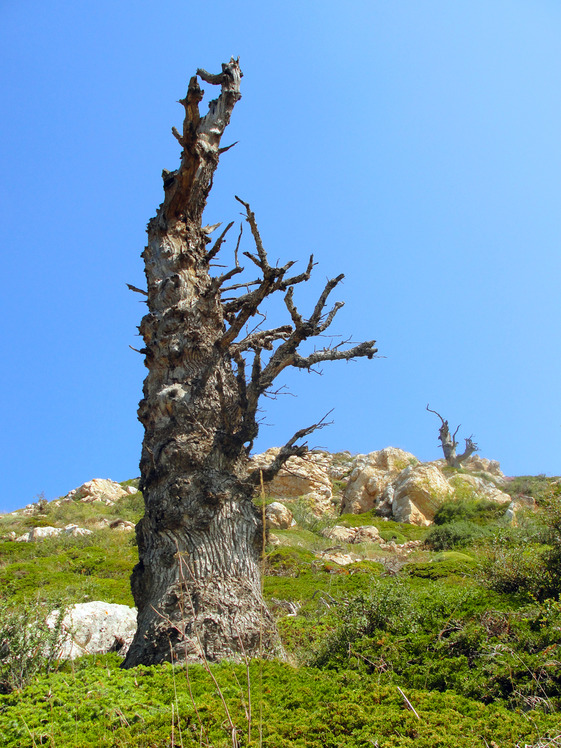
(456,642)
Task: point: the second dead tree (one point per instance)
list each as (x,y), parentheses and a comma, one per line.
(449,443)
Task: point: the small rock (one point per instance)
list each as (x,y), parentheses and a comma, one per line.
(340,534)
(278,516)
(76,531)
(38,533)
(123,525)
(367,534)
(343,559)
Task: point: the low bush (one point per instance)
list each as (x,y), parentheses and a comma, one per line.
(28,647)
(478,511)
(449,637)
(454,535)
(389,535)
(93,703)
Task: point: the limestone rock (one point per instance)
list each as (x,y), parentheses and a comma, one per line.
(372,475)
(95,628)
(100,490)
(341,465)
(278,516)
(482,464)
(418,493)
(306,477)
(340,534)
(343,559)
(39,533)
(479,487)
(367,534)
(76,531)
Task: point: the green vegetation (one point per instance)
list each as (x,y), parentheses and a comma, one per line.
(468,626)
(93,703)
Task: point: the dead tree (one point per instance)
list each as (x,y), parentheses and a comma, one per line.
(197,584)
(449,443)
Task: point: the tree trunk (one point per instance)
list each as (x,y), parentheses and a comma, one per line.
(197,584)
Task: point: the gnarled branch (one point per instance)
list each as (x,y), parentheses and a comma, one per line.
(290,449)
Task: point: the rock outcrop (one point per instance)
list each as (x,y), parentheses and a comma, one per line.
(418,492)
(301,477)
(394,484)
(373,473)
(100,490)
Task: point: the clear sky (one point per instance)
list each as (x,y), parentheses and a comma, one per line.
(414,145)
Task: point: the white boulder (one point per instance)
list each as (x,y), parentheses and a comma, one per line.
(95,628)
(40,533)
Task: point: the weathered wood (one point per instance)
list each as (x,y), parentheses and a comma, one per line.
(197,584)
(449,443)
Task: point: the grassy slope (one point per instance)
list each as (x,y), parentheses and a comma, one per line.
(478,665)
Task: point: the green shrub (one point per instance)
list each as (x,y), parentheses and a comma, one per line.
(401,529)
(28,647)
(449,637)
(444,565)
(93,703)
(453,535)
(539,487)
(288,562)
(306,519)
(479,511)
(397,537)
(527,559)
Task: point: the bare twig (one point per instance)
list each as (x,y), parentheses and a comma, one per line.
(408,704)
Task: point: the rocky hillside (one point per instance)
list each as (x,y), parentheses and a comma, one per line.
(387,576)
(392,483)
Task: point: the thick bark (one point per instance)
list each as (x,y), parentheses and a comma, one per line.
(197,584)
(449,443)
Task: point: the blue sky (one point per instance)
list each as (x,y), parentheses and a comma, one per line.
(414,145)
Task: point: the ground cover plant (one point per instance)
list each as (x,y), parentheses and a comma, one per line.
(426,646)
(95,703)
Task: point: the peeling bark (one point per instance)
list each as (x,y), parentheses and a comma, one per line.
(197,584)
